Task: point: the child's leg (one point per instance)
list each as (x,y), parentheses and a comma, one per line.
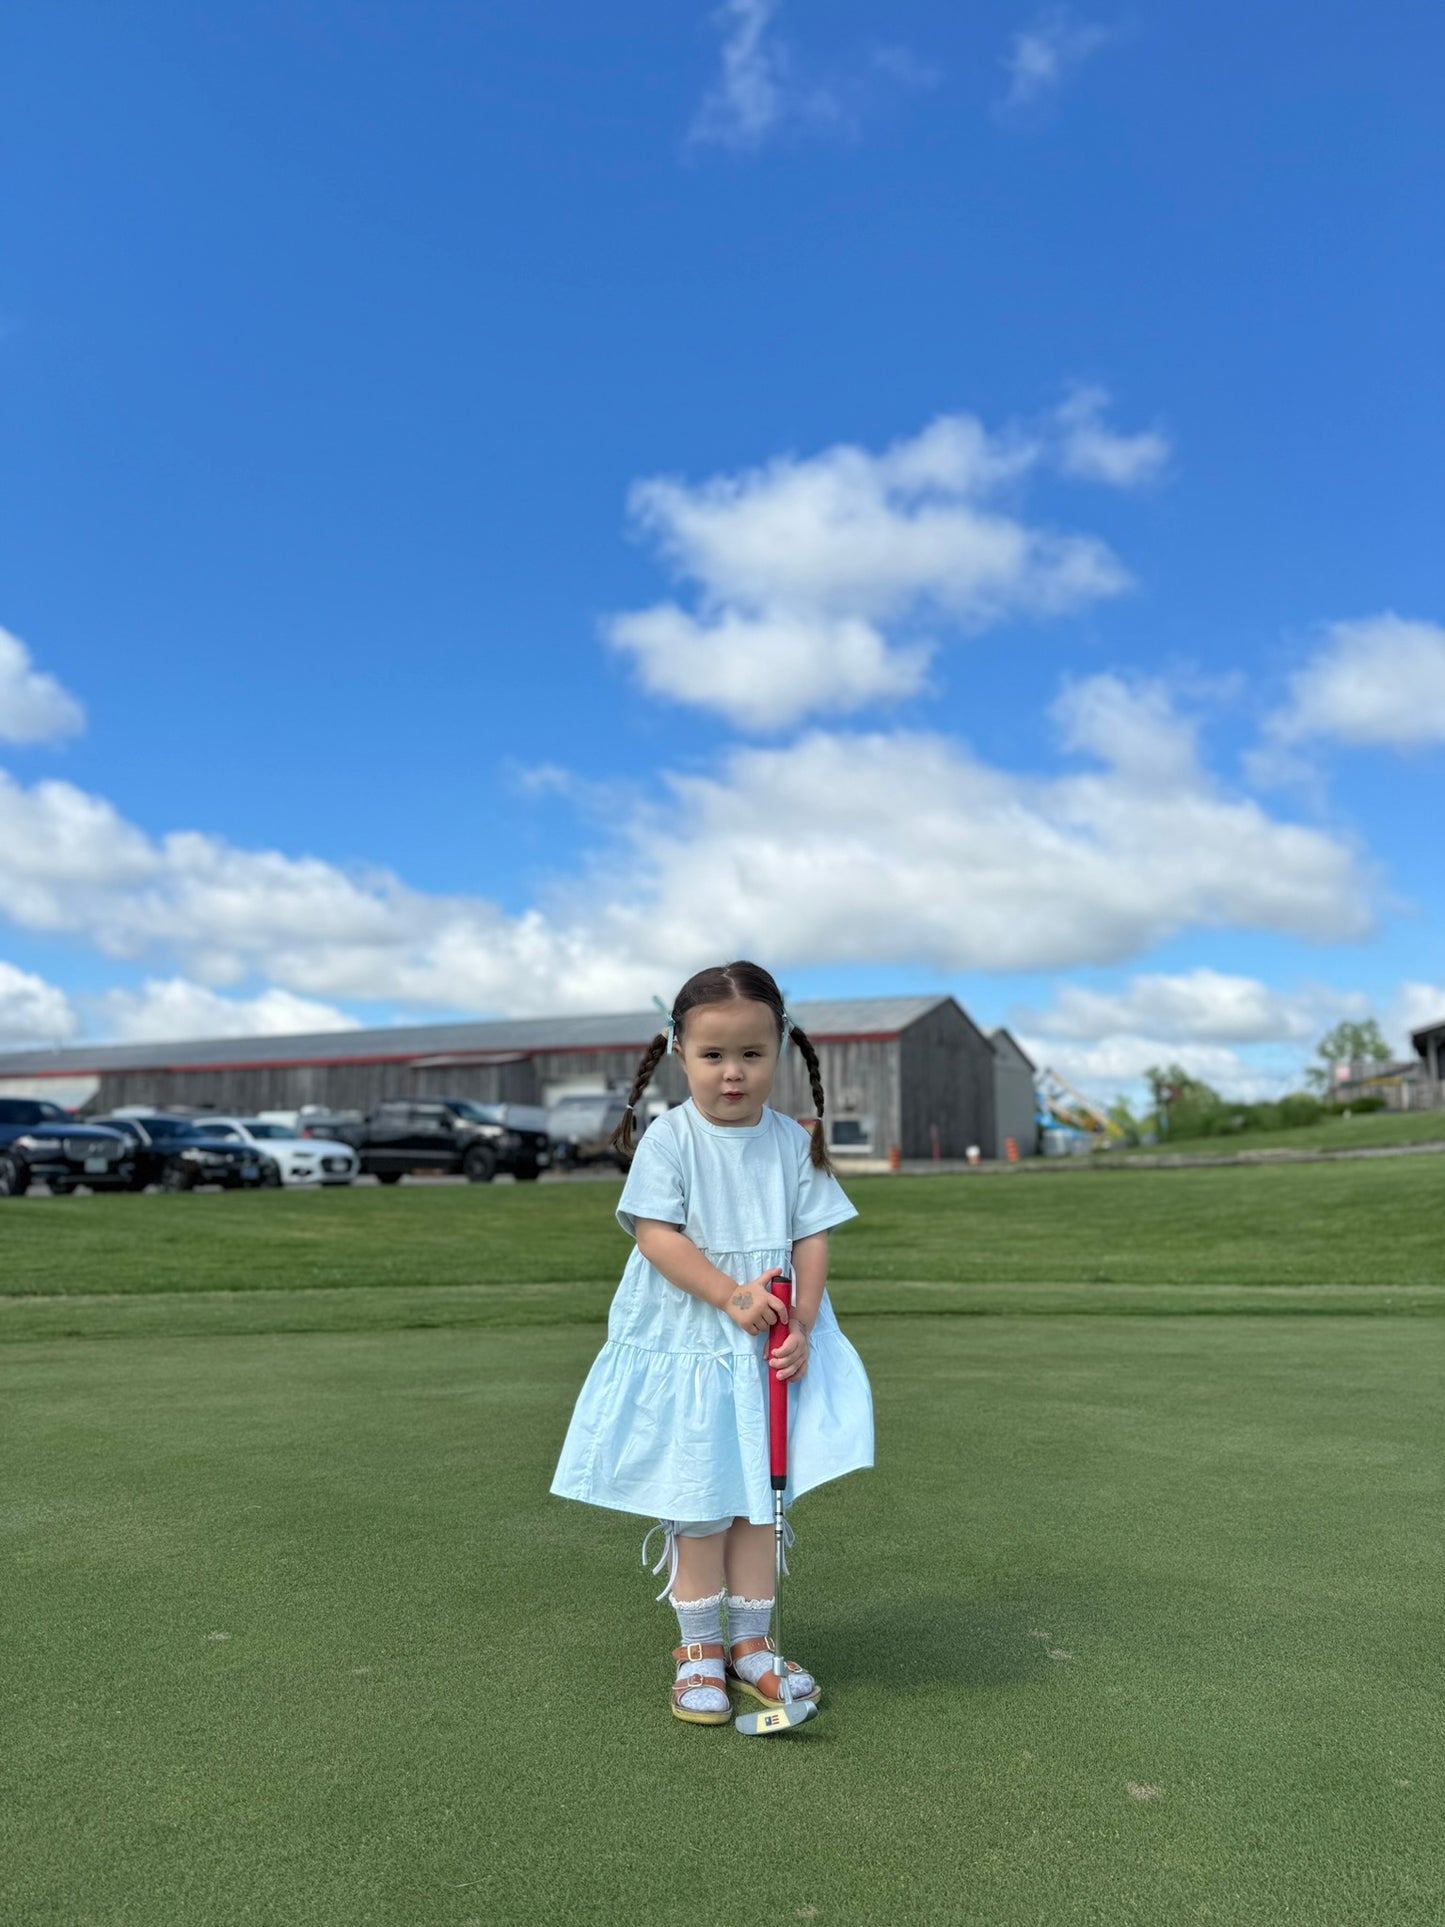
(748,1561)
(697,1595)
(699,1559)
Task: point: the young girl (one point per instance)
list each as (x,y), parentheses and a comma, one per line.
(722,1196)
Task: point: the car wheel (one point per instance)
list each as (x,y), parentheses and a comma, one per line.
(178,1177)
(479,1166)
(14,1178)
(62,1187)
(137,1181)
(528,1173)
(388,1177)
(271,1174)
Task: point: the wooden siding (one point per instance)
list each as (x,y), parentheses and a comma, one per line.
(858,1079)
(1015,1109)
(947,1073)
(1015,1102)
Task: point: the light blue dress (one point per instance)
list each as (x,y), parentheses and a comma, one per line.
(672,1421)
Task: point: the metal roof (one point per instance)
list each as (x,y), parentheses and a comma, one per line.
(1417,1037)
(832,1021)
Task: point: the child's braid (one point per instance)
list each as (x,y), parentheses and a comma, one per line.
(818,1149)
(622,1139)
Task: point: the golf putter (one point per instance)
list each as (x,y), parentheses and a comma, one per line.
(788,1713)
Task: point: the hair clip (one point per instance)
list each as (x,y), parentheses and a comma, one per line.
(671,1021)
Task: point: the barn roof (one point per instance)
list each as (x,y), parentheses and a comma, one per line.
(826,1021)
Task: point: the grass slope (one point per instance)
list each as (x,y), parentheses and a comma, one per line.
(1375,1130)
(1135,1623)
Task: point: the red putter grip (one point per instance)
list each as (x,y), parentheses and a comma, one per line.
(778,1392)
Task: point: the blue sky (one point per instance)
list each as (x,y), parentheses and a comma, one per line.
(506,505)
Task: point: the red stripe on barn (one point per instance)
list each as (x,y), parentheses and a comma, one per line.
(410,1057)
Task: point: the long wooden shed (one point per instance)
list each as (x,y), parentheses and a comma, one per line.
(915,1072)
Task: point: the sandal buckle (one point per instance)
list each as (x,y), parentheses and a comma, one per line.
(694,1649)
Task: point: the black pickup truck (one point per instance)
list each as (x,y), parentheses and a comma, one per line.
(441,1134)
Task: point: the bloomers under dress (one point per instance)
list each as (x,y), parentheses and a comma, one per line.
(672,1421)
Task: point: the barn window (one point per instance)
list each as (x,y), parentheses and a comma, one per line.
(850,1134)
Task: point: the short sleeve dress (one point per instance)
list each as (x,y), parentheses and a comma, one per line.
(671,1422)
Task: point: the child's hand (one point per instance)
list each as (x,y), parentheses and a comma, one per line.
(754,1307)
(790,1360)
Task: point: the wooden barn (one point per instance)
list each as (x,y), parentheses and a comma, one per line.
(910,1072)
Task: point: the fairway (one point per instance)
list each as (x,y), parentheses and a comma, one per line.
(1134,1622)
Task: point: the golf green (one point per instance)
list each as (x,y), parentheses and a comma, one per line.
(1132,1623)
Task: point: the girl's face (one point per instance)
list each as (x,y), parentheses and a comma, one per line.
(730,1055)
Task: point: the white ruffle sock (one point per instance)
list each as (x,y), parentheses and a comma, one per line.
(748,1619)
(699,1621)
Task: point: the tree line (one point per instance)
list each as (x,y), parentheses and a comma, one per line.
(1186,1107)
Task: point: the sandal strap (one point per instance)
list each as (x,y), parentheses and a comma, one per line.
(745,1648)
(696,1650)
(691,1682)
(768,1684)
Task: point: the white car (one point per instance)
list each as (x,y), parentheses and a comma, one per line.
(300,1160)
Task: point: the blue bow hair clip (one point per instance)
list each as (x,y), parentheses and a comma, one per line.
(671,1022)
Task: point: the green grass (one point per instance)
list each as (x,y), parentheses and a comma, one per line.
(1376,1129)
(1301,1226)
(1133,1623)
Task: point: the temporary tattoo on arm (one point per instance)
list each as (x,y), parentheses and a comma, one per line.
(743,1301)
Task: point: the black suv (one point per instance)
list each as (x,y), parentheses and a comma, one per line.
(41,1141)
(176,1154)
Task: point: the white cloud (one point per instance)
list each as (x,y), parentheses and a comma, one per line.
(1101,1070)
(34,708)
(767,672)
(1204,1007)
(33,1012)
(833,849)
(1378,681)
(759,93)
(746,102)
(1092,451)
(1133,727)
(881,847)
(1414,1006)
(175,1007)
(1042,56)
(809,568)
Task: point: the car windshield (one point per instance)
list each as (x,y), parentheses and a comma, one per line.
(169,1127)
(257,1129)
(478,1113)
(24,1110)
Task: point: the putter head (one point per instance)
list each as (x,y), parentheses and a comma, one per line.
(776,1719)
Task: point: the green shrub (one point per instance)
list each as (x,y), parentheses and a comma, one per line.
(1198,1117)
(1300,1108)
